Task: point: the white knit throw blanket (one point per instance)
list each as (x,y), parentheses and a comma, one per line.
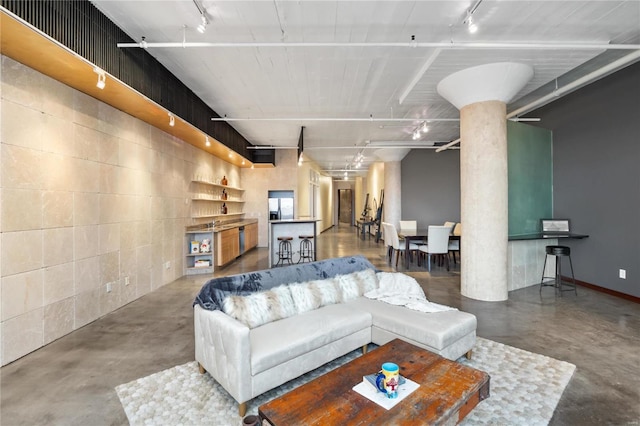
(397,288)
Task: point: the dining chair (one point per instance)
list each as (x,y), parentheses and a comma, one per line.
(409,225)
(391,239)
(454,245)
(437,244)
(387,240)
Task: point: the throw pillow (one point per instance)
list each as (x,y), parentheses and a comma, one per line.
(357,283)
(311,295)
(262,307)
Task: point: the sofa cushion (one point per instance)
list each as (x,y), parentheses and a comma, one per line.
(358,283)
(341,288)
(259,308)
(281,341)
(214,291)
(437,329)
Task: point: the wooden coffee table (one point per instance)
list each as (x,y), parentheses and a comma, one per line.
(448,392)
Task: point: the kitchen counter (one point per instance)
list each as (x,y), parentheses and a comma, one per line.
(294,221)
(293,228)
(225,226)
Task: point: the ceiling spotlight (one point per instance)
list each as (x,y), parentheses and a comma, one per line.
(468,20)
(425,128)
(416,135)
(172,120)
(207,143)
(102,78)
(203,24)
(473,28)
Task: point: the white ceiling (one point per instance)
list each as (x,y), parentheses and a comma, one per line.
(366,81)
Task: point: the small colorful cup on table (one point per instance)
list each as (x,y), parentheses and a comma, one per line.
(388,380)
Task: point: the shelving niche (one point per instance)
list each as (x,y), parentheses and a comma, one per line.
(207,201)
(198,261)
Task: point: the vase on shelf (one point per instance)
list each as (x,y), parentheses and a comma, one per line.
(224,180)
(224,194)
(224,208)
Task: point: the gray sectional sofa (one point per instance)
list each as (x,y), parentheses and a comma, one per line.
(256,331)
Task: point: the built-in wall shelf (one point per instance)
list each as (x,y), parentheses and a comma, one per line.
(211,199)
(204,216)
(217,185)
(199,251)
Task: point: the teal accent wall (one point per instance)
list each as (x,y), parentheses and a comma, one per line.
(530,151)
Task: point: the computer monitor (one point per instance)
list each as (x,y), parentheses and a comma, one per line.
(554,225)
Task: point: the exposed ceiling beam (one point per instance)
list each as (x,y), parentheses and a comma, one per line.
(371,118)
(432,58)
(444,45)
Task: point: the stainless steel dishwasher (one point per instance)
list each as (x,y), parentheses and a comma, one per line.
(241,238)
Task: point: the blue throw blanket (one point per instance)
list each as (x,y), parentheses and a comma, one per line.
(214,291)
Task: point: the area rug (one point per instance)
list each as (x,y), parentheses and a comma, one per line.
(525,389)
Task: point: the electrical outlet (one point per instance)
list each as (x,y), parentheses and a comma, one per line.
(108,287)
(623,274)
(126,281)
(167,265)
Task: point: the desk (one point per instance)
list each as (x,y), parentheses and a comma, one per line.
(547,235)
(363,225)
(421,234)
(526,255)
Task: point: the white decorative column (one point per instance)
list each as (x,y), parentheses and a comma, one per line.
(392,209)
(481,94)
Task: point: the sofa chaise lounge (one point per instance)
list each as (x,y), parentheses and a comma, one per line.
(258,330)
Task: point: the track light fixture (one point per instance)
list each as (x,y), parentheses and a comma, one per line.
(206,141)
(203,17)
(203,24)
(468,20)
(102,78)
(172,120)
(421,128)
(473,28)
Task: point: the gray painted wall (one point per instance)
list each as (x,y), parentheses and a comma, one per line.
(431,187)
(596,139)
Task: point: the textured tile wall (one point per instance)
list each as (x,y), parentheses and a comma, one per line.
(89,196)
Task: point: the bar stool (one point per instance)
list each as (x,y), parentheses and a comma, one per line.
(285,252)
(559,252)
(306,248)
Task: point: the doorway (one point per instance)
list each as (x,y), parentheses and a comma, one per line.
(345,210)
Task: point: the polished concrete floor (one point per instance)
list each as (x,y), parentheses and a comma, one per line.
(71,381)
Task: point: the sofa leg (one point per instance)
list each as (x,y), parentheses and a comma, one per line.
(468,354)
(364,349)
(201,369)
(242,409)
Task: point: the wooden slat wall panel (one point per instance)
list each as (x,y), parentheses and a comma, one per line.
(84,29)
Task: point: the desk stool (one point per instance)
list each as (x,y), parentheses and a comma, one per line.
(559,252)
(285,252)
(306,248)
